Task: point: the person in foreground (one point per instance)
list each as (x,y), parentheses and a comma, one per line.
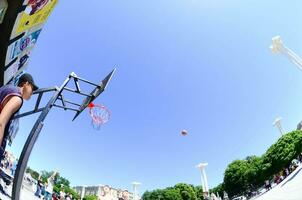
(11,100)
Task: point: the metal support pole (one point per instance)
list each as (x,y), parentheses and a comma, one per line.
(30,142)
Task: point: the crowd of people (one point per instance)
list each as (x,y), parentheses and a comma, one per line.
(279,177)
(8,166)
(42,190)
(45,190)
(9,163)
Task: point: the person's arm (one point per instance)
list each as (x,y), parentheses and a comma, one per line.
(11,106)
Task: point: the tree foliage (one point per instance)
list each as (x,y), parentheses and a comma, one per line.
(234,177)
(32,172)
(62,181)
(180,191)
(218,190)
(280,154)
(254,173)
(243,176)
(171,194)
(186,191)
(90,197)
(199,192)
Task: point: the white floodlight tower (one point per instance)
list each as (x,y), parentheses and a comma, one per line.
(204,180)
(135,190)
(277,123)
(278,47)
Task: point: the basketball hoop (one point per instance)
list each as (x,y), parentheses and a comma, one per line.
(99,115)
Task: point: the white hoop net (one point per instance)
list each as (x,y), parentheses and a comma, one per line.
(100,115)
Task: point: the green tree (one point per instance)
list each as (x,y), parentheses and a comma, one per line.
(74,194)
(255,172)
(165,194)
(153,195)
(199,192)
(218,190)
(62,181)
(280,154)
(235,182)
(186,191)
(33,173)
(243,176)
(45,175)
(146,195)
(90,197)
(56,189)
(170,194)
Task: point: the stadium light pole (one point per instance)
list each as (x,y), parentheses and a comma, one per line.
(83,191)
(204,181)
(277,123)
(278,47)
(135,190)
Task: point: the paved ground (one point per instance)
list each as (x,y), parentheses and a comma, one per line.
(25,195)
(289,189)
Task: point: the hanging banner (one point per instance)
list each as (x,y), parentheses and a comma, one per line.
(26,42)
(36,12)
(16,68)
(29,17)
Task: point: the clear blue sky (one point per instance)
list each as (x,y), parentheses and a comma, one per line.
(199,65)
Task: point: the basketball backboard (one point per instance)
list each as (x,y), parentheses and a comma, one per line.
(95,93)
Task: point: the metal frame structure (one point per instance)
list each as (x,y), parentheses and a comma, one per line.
(66,105)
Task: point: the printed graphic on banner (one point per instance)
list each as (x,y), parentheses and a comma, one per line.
(25,43)
(33,6)
(16,68)
(9,73)
(36,12)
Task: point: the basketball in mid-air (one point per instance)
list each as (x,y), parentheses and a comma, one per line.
(184,132)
